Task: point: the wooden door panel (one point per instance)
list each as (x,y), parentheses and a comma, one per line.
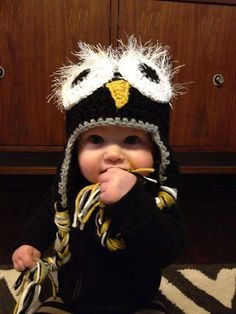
(232,130)
(202,37)
(37,37)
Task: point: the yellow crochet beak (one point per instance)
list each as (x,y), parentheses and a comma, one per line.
(119,90)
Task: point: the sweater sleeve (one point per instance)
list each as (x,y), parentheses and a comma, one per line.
(39,231)
(154,233)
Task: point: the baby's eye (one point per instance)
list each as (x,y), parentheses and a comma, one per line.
(132,139)
(95,139)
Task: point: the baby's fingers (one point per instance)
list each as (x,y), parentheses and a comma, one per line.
(18,265)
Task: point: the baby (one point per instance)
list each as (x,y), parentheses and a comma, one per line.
(116,222)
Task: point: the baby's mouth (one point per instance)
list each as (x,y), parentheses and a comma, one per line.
(105,170)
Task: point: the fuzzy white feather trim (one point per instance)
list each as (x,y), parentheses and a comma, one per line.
(97,65)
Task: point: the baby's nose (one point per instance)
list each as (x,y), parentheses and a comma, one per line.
(114,153)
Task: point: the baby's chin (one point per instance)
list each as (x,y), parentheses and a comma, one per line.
(93,180)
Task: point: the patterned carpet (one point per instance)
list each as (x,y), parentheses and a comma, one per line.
(200,289)
(188,289)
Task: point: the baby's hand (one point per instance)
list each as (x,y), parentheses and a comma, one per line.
(24,257)
(114,184)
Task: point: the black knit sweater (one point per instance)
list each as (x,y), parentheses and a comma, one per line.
(98,281)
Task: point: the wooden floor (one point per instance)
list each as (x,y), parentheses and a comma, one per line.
(208,204)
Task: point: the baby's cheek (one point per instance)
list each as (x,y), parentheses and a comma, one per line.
(143,161)
(87,168)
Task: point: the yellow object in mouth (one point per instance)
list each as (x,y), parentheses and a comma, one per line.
(119,90)
(151,170)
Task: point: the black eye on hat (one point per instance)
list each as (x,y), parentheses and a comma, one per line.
(80,77)
(149,72)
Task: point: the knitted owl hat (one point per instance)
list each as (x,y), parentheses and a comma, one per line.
(126,86)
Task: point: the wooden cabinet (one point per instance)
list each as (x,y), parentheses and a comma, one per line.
(201,36)
(232,133)
(38,36)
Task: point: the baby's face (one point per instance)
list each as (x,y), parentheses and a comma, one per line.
(107,147)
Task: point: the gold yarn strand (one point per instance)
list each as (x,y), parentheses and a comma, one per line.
(115,244)
(165,200)
(151,170)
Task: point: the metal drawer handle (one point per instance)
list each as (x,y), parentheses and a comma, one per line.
(2,72)
(218,80)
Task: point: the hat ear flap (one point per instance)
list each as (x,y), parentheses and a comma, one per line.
(172,172)
(75,180)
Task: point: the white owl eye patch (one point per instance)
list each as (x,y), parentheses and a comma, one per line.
(149,72)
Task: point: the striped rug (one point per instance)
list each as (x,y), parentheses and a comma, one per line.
(185,289)
(199,289)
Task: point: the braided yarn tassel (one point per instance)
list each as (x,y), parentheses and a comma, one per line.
(61,245)
(113,244)
(87,201)
(29,284)
(30,281)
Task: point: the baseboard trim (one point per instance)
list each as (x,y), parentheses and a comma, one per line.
(45,163)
